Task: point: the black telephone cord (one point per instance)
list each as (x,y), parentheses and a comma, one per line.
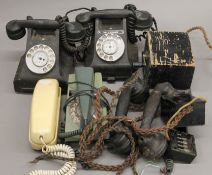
(64,135)
(74,10)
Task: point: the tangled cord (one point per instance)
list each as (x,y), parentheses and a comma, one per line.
(89,133)
(99,128)
(60,151)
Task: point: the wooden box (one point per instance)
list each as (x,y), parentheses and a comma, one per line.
(169,58)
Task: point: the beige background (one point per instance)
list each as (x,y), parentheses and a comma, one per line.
(178,15)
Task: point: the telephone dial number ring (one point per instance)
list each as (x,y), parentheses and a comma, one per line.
(40,59)
(110,47)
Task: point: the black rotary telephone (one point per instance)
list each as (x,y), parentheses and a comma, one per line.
(102,39)
(44,58)
(113,51)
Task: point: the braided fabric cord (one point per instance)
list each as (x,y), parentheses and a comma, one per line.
(200,28)
(96,129)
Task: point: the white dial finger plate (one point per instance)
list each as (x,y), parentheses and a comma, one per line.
(40,59)
(110,47)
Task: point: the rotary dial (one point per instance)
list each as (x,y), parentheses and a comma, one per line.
(40,59)
(110,47)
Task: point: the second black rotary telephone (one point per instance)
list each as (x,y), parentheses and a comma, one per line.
(102,39)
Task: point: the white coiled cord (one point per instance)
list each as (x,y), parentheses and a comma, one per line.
(62,151)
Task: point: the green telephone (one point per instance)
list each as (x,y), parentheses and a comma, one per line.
(73,111)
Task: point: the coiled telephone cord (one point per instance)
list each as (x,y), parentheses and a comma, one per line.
(61,151)
(84,43)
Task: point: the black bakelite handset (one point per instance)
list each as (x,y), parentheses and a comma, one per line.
(136,19)
(16,29)
(144,19)
(137,94)
(153,146)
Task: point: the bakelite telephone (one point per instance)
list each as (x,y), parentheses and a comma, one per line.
(113,50)
(43,58)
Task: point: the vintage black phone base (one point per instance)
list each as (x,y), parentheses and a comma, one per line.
(43,59)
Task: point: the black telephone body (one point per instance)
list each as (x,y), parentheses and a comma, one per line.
(44,57)
(102,39)
(113,51)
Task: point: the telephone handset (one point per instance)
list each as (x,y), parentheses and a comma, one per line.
(154,146)
(44,117)
(141,19)
(43,126)
(16,29)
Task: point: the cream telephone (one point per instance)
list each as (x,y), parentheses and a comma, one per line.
(44,117)
(43,126)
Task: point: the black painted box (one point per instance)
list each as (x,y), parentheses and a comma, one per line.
(169,58)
